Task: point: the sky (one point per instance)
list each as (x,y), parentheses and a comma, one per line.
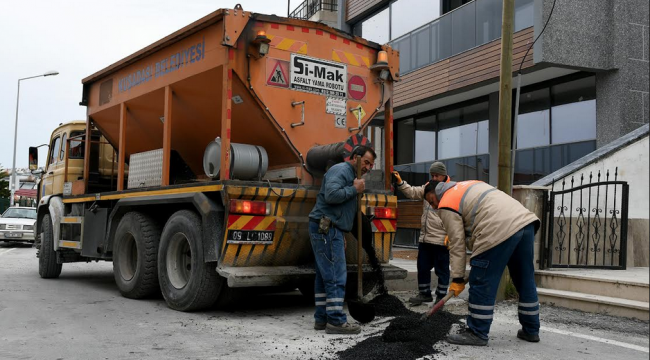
(78,38)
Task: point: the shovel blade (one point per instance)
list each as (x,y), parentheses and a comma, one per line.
(361,311)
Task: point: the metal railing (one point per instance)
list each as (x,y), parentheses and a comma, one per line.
(471,25)
(308,8)
(585,226)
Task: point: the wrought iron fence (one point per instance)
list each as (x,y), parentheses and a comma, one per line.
(308,8)
(585,225)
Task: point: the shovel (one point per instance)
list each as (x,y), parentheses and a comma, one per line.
(360,309)
(438,305)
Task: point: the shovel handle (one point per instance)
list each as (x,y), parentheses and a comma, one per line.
(359,234)
(439,305)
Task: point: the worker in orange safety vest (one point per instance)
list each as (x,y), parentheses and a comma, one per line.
(499,232)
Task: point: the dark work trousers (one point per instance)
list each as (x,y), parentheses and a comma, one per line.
(436,257)
(487,268)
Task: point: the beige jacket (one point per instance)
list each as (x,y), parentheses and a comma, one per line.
(432,231)
(484,223)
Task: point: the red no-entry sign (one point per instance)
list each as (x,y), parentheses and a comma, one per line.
(357,88)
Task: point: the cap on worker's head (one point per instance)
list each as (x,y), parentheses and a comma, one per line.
(438,168)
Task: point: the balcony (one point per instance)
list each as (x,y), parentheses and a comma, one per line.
(462,29)
(309,8)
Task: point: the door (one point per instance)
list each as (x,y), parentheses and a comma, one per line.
(52,161)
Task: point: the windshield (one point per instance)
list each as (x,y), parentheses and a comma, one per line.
(18,213)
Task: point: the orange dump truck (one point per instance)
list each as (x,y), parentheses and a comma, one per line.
(218,137)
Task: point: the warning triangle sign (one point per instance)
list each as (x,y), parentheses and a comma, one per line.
(278,76)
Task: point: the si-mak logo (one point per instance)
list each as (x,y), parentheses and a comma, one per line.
(318,76)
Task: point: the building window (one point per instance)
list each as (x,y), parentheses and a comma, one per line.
(463,131)
(405,139)
(425,139)
(556,126)
(376,28)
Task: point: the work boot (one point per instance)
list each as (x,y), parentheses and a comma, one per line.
(466,337)
(345,328)
(319,326)
(421,298)
(526,336)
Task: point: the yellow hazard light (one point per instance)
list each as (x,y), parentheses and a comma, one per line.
(382,58)
(381,64)
(261,33)
(262,43)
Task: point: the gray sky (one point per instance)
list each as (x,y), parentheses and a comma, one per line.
(78,38)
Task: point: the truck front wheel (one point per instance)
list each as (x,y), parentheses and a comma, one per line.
(48,268)
(135,252)
(187,282)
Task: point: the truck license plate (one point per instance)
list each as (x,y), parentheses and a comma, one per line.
(13,235)
(249,237)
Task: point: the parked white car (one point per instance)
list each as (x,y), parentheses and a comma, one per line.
(17,224)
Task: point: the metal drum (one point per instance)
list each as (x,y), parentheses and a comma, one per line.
(247,162)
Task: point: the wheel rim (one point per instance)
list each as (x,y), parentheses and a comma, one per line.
(179,261)
(128,259)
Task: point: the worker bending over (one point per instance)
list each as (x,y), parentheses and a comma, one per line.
(500,232)
(332,216)
(432,252)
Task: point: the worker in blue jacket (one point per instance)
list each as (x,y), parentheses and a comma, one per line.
(332,216)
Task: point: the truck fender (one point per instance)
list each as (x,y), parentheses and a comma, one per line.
(56,214)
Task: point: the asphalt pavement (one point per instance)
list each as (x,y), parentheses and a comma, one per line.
(81,315)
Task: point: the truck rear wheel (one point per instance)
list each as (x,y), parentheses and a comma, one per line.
(48,268)
(187,282)
(135,252)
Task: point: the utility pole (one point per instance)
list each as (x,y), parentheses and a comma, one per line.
(505,114)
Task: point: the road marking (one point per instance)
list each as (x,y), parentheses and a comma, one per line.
(4,251)
(598,339)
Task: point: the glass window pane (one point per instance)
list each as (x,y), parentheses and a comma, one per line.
(463,28)
(441,38)
(425,139)
(523,14)
(63,145)
(55,150)
(483,146)
(404,47)
(533,129)
(422,39)
(405,19)
(573,122)
(574,91)
(405,139)
(488,20)
(76,147)
(376,28)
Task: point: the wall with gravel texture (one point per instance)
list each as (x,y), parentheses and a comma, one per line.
(610,38)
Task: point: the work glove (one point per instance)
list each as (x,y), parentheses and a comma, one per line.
(447,242)
(457,288)
(398,178)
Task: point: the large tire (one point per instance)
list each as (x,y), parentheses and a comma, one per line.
(48,268)
(187,282)
(135,254)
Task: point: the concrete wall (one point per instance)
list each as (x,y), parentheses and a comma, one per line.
(330,18)
(633,167)
(532,197)
(609,37)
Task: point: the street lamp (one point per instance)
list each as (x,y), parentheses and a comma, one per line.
(13,171)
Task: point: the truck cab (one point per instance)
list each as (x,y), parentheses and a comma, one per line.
(62,168)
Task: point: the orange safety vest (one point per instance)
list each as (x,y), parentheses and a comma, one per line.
(453,198)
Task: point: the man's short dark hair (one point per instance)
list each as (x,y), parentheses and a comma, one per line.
(431,187)
(362,150)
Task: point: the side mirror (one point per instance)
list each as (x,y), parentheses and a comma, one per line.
(33,158)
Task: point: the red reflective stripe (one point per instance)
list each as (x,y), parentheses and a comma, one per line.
(290,28)
(346,41)
(319,32)
(232,219)
(332,36)
(253,223)
(275,26)
(359,46)
(305,30)
(379,225)
(271,226)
